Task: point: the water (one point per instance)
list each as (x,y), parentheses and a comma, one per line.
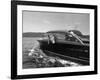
(30,62)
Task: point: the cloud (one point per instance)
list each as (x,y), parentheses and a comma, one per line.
(46,22)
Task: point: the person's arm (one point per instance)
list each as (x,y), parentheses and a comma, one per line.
(77,38)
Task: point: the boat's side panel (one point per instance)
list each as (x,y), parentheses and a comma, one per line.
(67,49)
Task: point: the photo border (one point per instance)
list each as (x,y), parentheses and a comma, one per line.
(14,38)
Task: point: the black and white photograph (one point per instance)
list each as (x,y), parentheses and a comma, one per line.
(54,38)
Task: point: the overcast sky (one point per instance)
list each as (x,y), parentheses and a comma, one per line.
(46,21)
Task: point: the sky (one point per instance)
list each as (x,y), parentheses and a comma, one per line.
(46,21)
